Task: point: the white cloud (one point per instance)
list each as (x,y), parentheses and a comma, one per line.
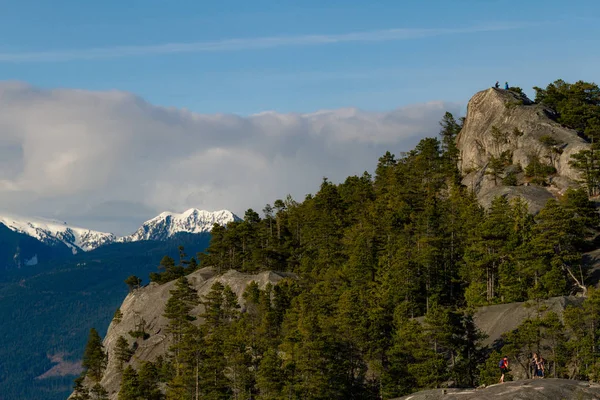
(257,43)
(95,158)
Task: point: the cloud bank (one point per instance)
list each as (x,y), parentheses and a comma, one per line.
(110,160)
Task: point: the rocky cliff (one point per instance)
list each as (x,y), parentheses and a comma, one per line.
(540,389)
(503,133)
(145,306)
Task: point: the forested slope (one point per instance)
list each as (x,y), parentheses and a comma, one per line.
(371,254)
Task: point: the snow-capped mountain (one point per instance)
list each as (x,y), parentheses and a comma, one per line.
(167,224)
(161,227)
(51,232)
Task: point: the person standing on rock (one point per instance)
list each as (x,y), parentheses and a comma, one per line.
(506,85)
(535,362)
(541,367)
(503,368)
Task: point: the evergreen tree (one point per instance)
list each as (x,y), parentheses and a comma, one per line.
(80,392)
(130,387)
(97,392)
(450,129)
(133,282)
(177,310)
(118,316)
(148,378)
(122,352)
(94,357)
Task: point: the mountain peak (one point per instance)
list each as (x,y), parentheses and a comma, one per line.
(168,224)
(161,227)
(52,231)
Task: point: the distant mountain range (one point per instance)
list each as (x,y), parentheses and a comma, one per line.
(160,228)
(57,281)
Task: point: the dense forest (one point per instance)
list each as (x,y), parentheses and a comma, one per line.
(389,270)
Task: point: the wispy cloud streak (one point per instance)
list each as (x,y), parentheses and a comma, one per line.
(240,44)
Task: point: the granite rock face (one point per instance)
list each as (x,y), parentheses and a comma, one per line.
(501,123)
(146,306)
(539,389)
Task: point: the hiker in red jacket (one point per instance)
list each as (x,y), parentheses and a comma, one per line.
(503,368)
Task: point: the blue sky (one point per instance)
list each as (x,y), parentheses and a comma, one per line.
(97,130)
(249,56)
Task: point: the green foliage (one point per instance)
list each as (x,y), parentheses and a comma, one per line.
(123,352)
(489,372)
(133,282)
(140,330)
(548,140)
(118,316)
(80,392)
(538,171)
(97,392)
(577,105)
(51,307)
(450,129)
(587,162)
(510,179)
(497,164)
(369,257)
(94,357)
(130,386)
(499,136)
(517,89)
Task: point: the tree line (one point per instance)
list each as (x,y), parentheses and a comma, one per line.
(390,268)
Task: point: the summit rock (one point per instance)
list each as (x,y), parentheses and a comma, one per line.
(504,124)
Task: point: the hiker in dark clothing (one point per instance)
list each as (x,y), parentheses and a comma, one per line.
(506,85)
(497,85)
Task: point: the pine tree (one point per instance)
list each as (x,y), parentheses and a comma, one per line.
(133,282)
(557,239)
(94,357)
(122,352)
(270,376)
(98,392)
(130,387)
(450,129)
(148,378)
(118,316)
(80,392)
(177,310)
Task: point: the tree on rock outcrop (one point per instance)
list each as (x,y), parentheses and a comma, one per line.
(122,352)
(94,357)
(133,282)
(97,392)
(577,104)
(177,310)
(449,131)
(80,392)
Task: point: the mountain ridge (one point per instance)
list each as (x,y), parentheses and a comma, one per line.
(163,226)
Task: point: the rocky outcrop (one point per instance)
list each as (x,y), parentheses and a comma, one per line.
(502,124)
(539,389)
(145,306)
(501,318)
